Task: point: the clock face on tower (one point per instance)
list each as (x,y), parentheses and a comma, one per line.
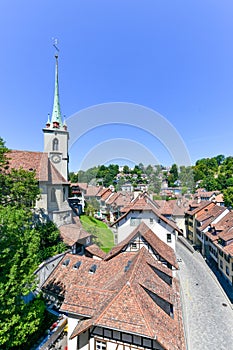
(56,158)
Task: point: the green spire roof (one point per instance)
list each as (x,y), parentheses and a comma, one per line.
(56,115)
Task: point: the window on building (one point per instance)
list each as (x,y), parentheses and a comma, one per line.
(135,221)
(53,195)
(64,194)
(232,266)
(227,270)
(100,345)
(55,144)
(133,246)
(169,237)
(151,221)
(221,264)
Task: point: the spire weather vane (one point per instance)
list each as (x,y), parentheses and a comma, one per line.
(55,44)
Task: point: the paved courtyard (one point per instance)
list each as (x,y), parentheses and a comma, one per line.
(208,314)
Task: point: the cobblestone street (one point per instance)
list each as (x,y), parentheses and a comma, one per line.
(208,314)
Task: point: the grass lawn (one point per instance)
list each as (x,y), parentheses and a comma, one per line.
(100,230)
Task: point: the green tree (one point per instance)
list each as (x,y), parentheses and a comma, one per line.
(228,197)
(220,159)
(22,240)
(174,172)
(19,188)
(149,170)
(49,241)
(126,169)
(19,248)
(92,206)
(210,183)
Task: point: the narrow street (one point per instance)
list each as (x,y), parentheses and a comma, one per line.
(208,314)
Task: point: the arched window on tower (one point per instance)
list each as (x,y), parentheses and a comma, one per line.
(64,194)
(55,144)
(53,195)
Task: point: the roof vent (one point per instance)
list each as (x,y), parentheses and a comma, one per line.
(66,262)
(128,265)
(93,269)
(77,265)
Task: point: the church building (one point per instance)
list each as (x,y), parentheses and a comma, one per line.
(50,166)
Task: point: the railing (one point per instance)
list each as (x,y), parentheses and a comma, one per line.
(52,337)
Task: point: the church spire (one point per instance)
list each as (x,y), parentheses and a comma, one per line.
(56,119)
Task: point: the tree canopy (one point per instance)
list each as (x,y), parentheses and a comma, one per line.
(25,242)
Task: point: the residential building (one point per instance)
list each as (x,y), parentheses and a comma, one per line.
(127,187)
(219,249)
(214,196)
(128,300)
(174,210)
(195,207)
(204,219)
(143,209)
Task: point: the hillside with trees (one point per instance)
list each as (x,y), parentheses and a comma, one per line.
(212,174)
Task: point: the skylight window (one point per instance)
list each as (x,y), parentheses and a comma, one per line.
(66,262)
(93,269)
(128,265)
(77,265)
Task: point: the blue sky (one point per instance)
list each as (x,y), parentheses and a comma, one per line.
(171,56)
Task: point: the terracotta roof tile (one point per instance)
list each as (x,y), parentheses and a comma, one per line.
(207,217)
(94,249)
(92,191)
(29,161)
(165,251)
(172,207)
(37,161)
(144,203)
(72,233)
(196,207)
(119,298)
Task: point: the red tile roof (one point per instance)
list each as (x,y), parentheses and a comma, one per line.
(72,233)
(81,185)
(164,251)
(95,250)
(206,217)
(29,161)
(37,161)
(196,207)
(172,207)
(120,298)
(92,191)
(144,203)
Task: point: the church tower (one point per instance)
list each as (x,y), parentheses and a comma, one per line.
(56,135)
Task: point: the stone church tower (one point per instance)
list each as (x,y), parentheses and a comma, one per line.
(56,139)
(56,135)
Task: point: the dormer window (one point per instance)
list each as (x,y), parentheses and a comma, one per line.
(55,144)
